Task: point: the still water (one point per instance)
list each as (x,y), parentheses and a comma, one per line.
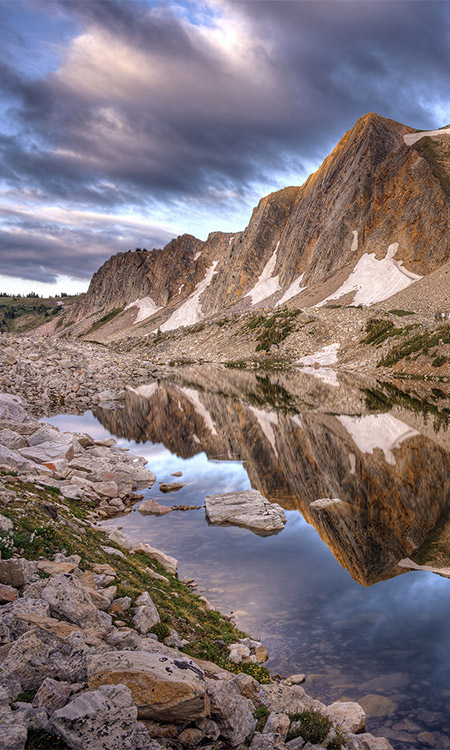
(326,595)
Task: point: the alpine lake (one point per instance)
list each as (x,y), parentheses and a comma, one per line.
(327,595)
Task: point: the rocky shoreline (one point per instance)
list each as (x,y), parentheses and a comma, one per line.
(90,655)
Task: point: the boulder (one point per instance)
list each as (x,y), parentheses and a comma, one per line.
(11,407)
(268,741)
(163,688)
(232,712)
(13,736)
(368,742)
(277,724)
(153,508)
(70,600)
(26,661)
(248,509)
(120,605)
(349,716)
(16,461)
(16,572)
(103,719)
(169,563)
(12,439)
(8,594)
(52,695)
(50,451)
(116,536)
(146,614)
(52,568)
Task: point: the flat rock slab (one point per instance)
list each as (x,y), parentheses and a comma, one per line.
(162,688)
(171,486)
(248,509)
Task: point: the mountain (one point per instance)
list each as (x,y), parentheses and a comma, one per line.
(370,222)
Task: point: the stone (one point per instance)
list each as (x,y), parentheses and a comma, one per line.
(280,698)
(146,617)
(120,605)
(7,594)
(368,742)
(209,728)
(116,536)
(12,439)
(52,695)
(190,737)
(232,712)
(169,563)
(26,661)
(103,719)
(49,451)
(6,524)
(267,741)
(112,551)
(277,724)
(377,705)
(295,679)
(177,474)
(12,736)
(16,572)
(125,639)
(248,509)
(52,568)
(163,688)
(104,569)
(155,575)
(153,508)
(29,716)
(12,407)
(14,460)
(349,716)
(70,600)
(427,739)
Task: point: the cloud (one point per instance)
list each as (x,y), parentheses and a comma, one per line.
(191,111)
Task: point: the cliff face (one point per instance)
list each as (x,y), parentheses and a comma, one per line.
(383,496)
(381,194)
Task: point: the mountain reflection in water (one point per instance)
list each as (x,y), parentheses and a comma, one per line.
(302,442)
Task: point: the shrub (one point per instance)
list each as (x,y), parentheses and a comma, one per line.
(313,726)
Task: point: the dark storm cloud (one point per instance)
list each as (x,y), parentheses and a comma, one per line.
(147,108)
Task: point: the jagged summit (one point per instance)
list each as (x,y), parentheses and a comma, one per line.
(369,222)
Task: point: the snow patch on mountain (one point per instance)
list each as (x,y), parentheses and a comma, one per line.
(292,290)
(375,280)
(146,308)
(377,431)
(327,356)
(267,284)
(414,137)
(190,311)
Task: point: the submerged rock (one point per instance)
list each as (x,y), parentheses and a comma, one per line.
(248,509)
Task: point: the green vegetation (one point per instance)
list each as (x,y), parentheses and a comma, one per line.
(161,630)
(239,364)
(439,361)
(314,726)
(26,313)
(26,697)
(261,715)
(273,329)
(105,319)
(401,313)
(39,739)
(420,343)
(379,330)
(46,523)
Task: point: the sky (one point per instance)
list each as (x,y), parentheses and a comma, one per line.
(124,123)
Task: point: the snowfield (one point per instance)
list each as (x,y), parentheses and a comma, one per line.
(267,284)
(190,311)
(292,290)
(146,308)
(328,356)
(414,137)
(375,280)
(377,431)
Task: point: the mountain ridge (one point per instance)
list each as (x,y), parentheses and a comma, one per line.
(377,209)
